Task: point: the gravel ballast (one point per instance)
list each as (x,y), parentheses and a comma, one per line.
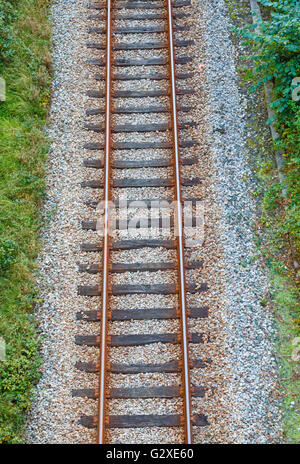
(241,378)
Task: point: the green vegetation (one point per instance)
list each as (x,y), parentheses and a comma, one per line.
(275,57)
(8,252)
(25,64)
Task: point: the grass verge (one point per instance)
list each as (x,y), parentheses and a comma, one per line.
(25,64)
(277,230)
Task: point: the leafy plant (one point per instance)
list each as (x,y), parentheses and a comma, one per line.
(8,14)
(276,58)
(8,253)
(277,48)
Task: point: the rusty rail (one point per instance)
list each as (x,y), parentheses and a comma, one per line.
(106,242)
(180,238)
(102,418)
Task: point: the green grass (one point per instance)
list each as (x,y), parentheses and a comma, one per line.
(25,63)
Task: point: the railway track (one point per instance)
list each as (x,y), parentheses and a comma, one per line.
(153,145)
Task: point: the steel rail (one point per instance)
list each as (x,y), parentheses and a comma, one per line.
(180,238)
(106,242)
